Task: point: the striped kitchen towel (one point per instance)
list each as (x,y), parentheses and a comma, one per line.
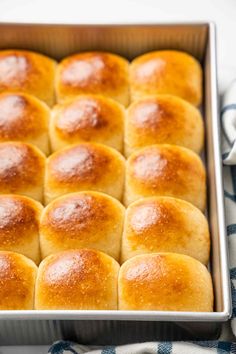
(228,117)
(217,347)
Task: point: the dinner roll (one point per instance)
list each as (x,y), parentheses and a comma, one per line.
(87,118)
(165,224)
(165,282)
(166,71)
(163,119)
(93,72)
(165,170)
(86,166)
(22,70)
(22,168)
(17,281)
(19,225)
(24,118)
(77,280)
(82,220)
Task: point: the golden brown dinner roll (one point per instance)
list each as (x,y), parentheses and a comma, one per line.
(165,170)
(17,281)
(82,220)
(77,280)
(22,168)
(87,118)
(165,224)
(24,118)
(86,166)
(22,70)
(166,72)
(93,72)
(19,225)
(165,282)
(163,119)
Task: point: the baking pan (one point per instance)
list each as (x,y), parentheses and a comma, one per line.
(116,327)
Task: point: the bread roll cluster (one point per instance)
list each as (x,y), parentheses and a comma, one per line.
(102,190)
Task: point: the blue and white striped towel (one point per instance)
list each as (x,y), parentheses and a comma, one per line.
(214,347)
(228,116)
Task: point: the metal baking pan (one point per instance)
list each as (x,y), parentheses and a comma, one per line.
(117,327)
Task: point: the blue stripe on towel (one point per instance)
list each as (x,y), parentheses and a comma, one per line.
(164,348)
(225,154)
(223,347)
(233,176)
(207,343)
(109,350)
(230,196)
(229,107)
(61,347)
(231,229)
(233,348)
(233,290)
(233,273)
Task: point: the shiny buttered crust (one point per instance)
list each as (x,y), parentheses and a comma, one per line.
(165,224)
(30,72)
(166,72)
(87,166)
(82,220)
(87,118)
(17,281)
(77,280)
(163,119)
(165,282)
(23,117)
(165,170)
(22,167)
(19,225)
(93,72)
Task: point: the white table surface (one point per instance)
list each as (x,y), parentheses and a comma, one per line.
(222,12)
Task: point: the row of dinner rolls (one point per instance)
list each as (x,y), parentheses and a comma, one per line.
(95,220)
(156,170)
(91,280)
(159,72)
(153,120)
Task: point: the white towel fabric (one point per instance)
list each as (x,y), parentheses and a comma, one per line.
(228,118)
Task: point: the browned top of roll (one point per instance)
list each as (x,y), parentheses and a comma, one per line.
(80,214)
(167,72)
(26,71)
(157,164)
(77,279)
(162,224)
(19,219)
(22,116)
(164,119)
(87,162)
(93,72)
(166,170)
(73,265)
(20,165)
(156,215)
(17,278)
(165,281)
(88,117)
